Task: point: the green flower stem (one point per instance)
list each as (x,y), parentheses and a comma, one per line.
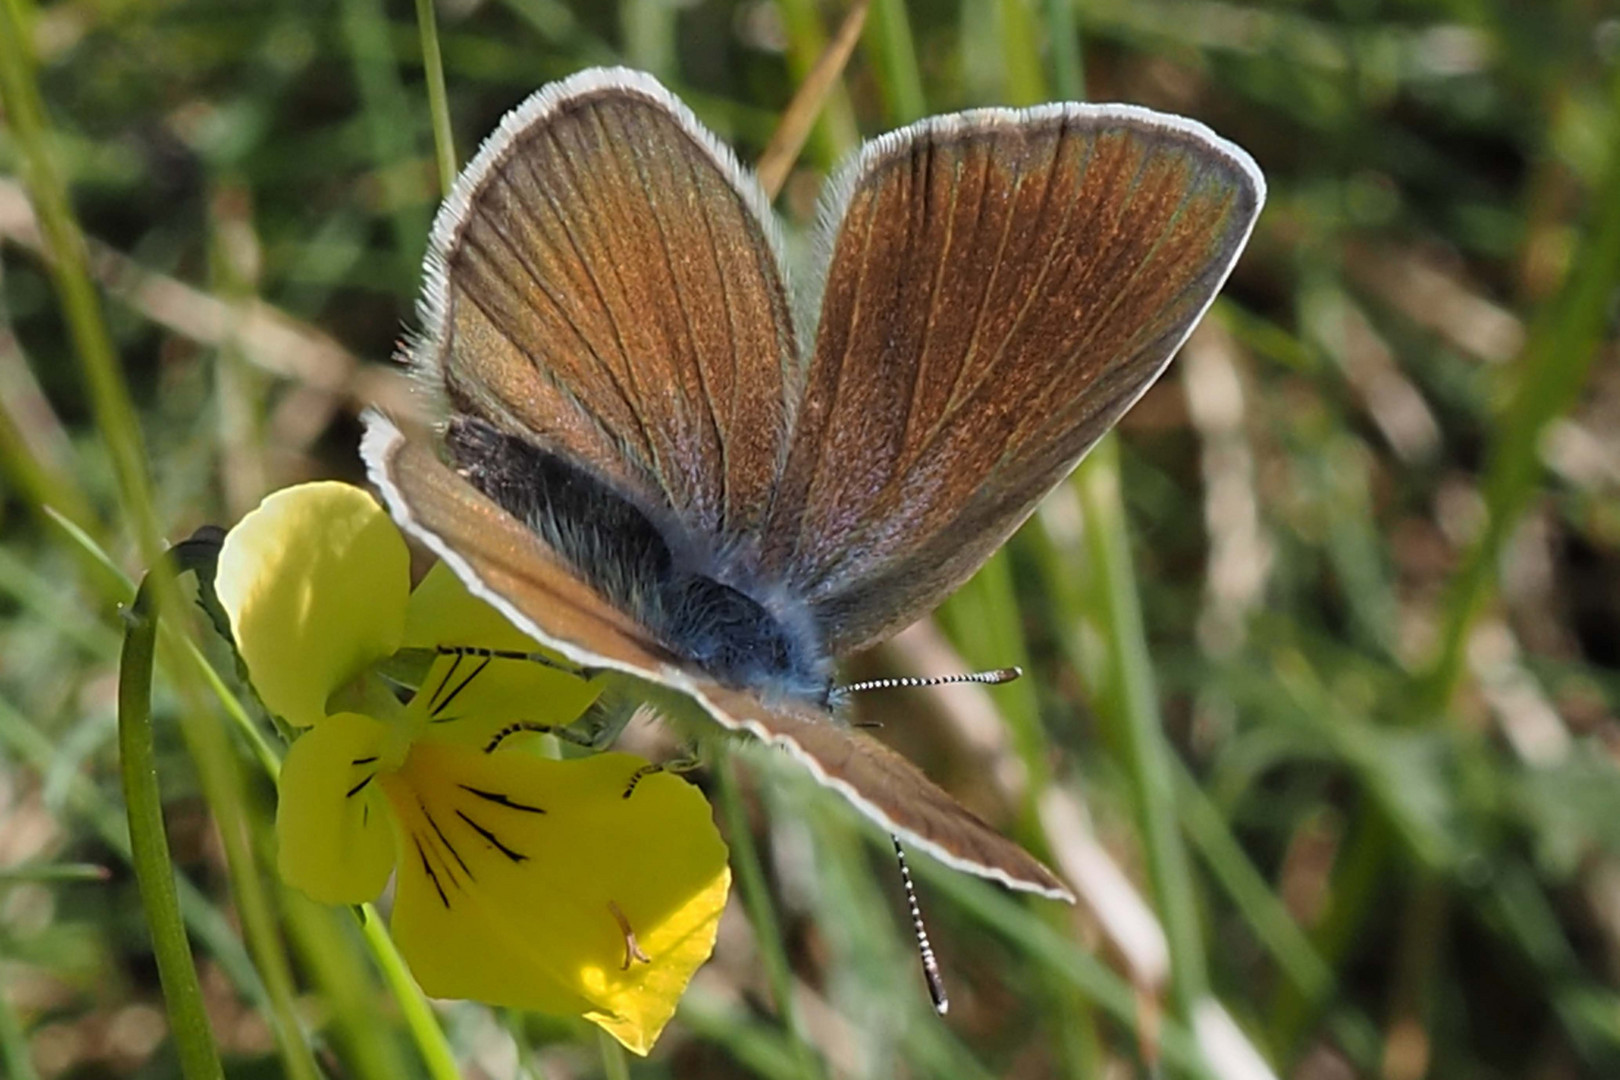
(154,869)
(419,1019)
(222,788)
(757,899)
(444,140)
(1128,704)
(614,1065)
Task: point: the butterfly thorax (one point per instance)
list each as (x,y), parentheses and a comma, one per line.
(617,547)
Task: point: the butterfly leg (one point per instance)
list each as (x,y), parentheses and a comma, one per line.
(688,760)
(589,739)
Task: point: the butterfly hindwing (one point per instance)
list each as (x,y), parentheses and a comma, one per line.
(506,564)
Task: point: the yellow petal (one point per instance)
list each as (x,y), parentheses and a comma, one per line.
(517,870)
(315,583)
(334,840)
(468,697)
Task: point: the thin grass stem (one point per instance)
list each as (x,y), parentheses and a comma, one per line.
(1127,701)
(444,139)
(761,912)
(895,61)
(149,847)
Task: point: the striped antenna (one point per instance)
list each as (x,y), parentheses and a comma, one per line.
(925,950)
(989,678)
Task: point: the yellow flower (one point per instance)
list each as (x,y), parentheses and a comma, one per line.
(522,881)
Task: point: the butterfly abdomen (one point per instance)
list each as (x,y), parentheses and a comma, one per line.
(617,547)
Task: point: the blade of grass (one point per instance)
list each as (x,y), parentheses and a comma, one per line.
(894,61)
(819,94)
(761,912)
(828,117)
(1126,702)
(1068,70)
(647,29)
(389,124)
(444,142)
(1024,80)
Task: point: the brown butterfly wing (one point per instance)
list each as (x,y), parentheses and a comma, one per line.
(885,787)
(507,565)
(603,281)
(1002,286)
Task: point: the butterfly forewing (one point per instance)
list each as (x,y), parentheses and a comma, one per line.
(607,286)
(507,565)
(1002,286)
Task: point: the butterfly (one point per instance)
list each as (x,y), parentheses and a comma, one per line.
(666,458)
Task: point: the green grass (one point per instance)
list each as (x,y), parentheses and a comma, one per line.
(1327,654)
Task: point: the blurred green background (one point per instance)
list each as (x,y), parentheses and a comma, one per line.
(1324,650)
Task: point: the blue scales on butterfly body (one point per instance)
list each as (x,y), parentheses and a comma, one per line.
(641,567)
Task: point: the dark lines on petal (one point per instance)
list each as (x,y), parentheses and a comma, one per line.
(427,868)
(363,760)
(352,792)
(434,825)
(443,682)
(515,856)
(462,685)
(501,800)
